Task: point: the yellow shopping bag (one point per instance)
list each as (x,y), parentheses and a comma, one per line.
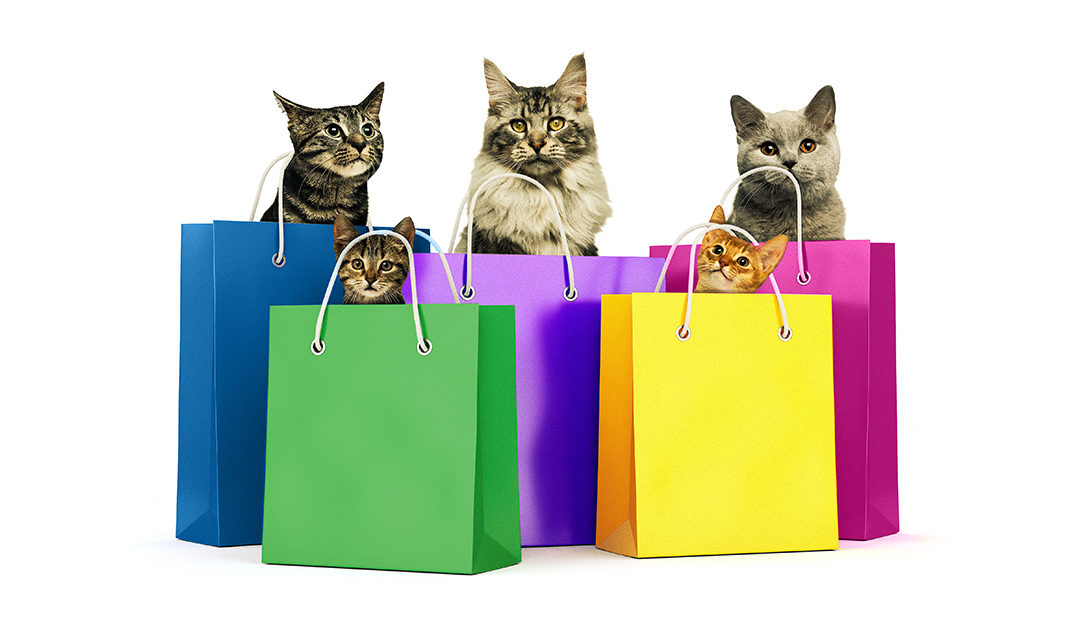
(716,438)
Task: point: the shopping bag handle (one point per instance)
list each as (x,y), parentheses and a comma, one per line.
(423,345)
(803,277)
(683,331)
(570,293)
(279,257)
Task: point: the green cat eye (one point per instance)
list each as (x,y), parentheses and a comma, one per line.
(518,125)
(769,148)
(386,265)
(556,123)
(357,264)
(368,130)
(717,250)
(743,261)
(333,130)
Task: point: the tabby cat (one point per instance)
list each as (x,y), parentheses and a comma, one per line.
(375,269)
(336,151)
(545,133)
(728,264)
(804,142)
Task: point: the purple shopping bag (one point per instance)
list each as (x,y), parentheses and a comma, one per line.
(558,370)
(861,278)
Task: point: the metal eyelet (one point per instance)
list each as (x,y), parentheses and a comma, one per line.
(467,295)
(803,278)
(569,295)
(682,333)
(424,347)
(318,347)
(784,334)
(278,261)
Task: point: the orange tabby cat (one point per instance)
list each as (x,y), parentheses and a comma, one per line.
(728,264)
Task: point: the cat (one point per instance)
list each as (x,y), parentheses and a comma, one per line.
(545,133)
(336,151)
(728,264)
(375,269)
(804,142)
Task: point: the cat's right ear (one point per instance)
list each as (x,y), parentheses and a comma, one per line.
(718,216)
(344,233)
(294,111)
(501,92)
(406,229)
(746,115)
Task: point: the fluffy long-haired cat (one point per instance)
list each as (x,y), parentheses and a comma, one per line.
(804,142)
(545,133)
(375,269)
(728,264)
(337,150)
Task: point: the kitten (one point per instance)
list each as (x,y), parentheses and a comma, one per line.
(337,150)
(728,264)
(804,142)
(545,133)
(375,269)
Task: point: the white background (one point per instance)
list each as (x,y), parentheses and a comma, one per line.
(958,124)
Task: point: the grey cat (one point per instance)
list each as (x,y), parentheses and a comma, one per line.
(545,133)
(337,150)
(803,141)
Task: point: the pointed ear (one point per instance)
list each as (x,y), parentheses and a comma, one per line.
(344,232)
(406,229)
(571,85)
(712,236)
(294,111)
(746,115)
(822,109)
(501,91)
(373,102)
(718,215)
(772,251)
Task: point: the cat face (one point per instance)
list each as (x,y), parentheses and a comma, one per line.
(343,140)
(538,130)
(374,270)
(802,141)
(728,264)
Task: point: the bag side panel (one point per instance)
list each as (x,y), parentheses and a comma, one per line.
(882,489)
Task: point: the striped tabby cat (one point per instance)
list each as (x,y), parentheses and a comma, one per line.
(337,150)
(375,269)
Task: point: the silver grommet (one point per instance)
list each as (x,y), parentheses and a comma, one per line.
(803,278)
(569,294)
(424,347)
(784,333)
(467,294)
(683,333)
(318,347)
(278,261)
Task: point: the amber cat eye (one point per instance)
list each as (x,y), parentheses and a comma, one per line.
(556,123)
(518,125)
(807,146)
(717,250)
(333,130)
(769,149)
(743,261)
(386,265)
(368,130)
(357,264)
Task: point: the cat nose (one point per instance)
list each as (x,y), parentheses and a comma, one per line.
(358,141)
(537,144)
(789,164)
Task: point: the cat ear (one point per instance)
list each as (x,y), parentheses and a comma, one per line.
(294,111)
(501,91)
(344,232)
(406,229)
(822,109)
(571,85)
(772,251)
(373,102)
(746,115)
(718,215)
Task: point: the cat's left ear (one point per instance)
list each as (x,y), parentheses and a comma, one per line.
(373,102)
(344,233)
(822,109)
(772,251)
(571,85)
(406,229)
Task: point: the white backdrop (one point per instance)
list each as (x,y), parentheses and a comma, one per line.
(958,128)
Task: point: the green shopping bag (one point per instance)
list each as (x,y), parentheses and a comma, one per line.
(392,437)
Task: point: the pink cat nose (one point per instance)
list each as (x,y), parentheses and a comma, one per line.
(537,144)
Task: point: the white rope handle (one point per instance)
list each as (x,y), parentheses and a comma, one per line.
(423,345)
(570,293)
(279,258)
(803,277)
(683,331)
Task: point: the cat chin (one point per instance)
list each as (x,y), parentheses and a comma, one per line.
(353,169)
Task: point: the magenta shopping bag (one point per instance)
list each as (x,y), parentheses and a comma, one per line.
(861,278)
(556,303)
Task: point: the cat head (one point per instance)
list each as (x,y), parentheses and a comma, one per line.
(342,140)
(374,270)
(538,130)
(728,264)
(802,141)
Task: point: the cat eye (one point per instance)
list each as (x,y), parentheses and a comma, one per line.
(386,265)
(357,264)
(518,125)
(368,130)
(717,250)
(556,123)
(807,146)
(333,130)
(769,149)
(743,261)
